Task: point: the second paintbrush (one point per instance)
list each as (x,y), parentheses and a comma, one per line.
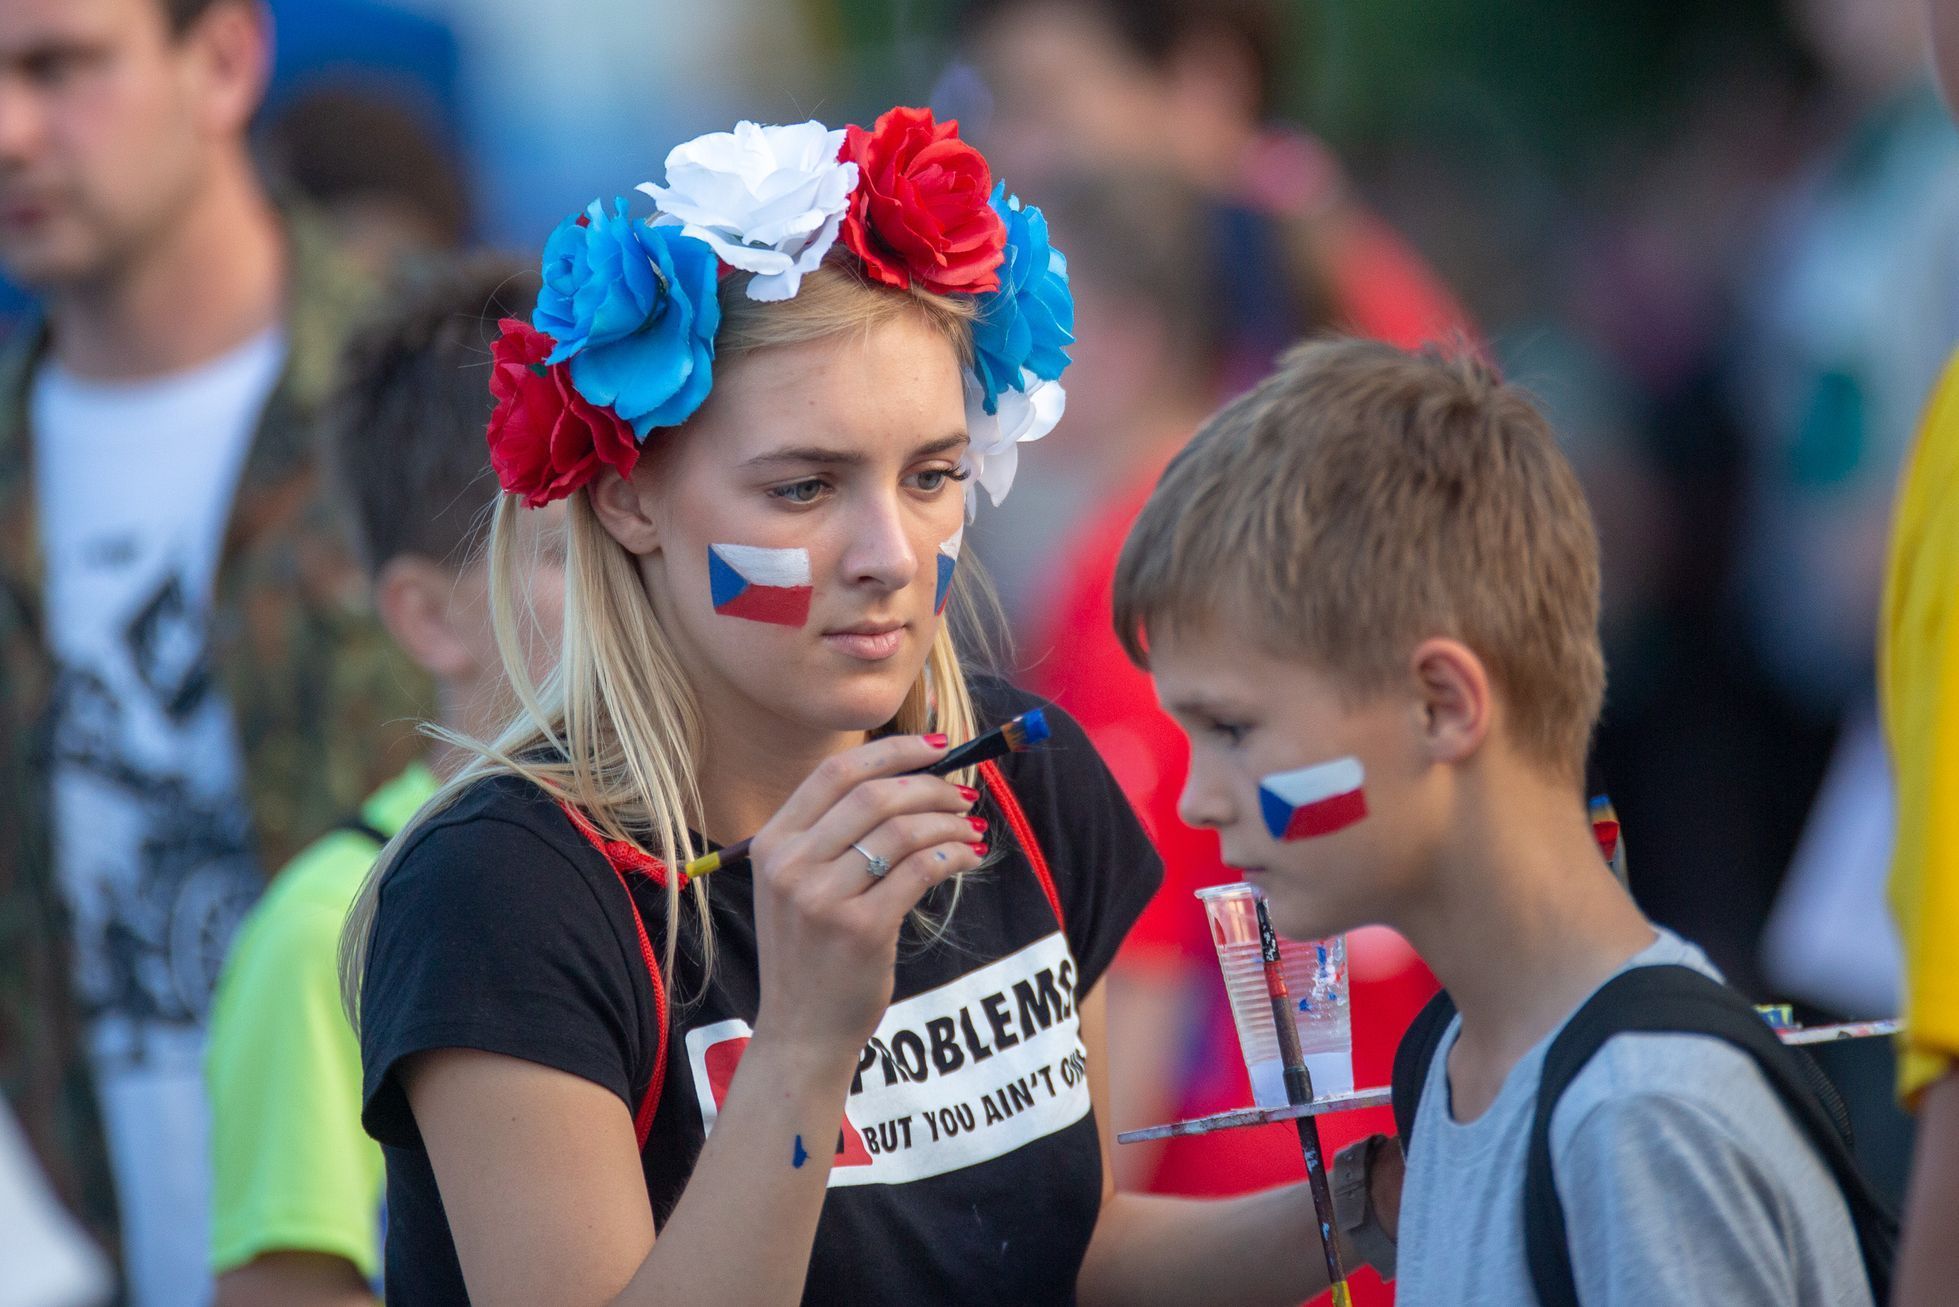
(1023,732)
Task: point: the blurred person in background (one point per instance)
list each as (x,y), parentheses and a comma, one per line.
(191,686)
(297,1201)
(1919,677)
(1192,87)
(375,169)
(1857,309)
(1147,357)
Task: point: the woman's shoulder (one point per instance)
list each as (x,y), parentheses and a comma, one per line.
(500,800)
(493,838)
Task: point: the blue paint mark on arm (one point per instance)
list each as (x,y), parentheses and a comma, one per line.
(801,1154)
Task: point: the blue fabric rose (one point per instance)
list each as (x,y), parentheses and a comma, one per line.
(1026,326)
(598,285)
(635,309)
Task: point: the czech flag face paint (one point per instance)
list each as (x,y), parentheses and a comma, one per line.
(1313,801)
(948,563)
(760,584)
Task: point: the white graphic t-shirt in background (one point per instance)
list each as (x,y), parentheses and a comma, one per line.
(134,484)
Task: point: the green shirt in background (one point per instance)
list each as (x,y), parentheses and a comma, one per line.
(292,1168)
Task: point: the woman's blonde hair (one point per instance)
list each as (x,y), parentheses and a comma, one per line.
(615,730)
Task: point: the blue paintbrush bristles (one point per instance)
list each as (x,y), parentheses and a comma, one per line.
(1026,730)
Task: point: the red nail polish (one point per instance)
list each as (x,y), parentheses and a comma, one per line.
(980,849)
(968,793)
(978,824)
(937,741)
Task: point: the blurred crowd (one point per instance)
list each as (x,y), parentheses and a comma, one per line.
(1720,239)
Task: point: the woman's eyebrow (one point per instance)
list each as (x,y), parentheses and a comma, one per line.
(943,445)
(808,454)
(823,455)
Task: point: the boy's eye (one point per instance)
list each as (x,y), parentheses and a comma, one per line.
(799,492)
(1230,732)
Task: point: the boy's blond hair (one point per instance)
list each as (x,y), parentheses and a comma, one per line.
(1362,499)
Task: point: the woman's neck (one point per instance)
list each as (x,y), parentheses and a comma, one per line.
(753,761)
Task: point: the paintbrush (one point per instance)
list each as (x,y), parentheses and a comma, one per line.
(1299,1089)
(1022,733)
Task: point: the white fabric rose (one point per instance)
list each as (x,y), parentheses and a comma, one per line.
(994,454)
(769,200)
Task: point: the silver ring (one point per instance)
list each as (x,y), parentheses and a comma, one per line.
(876,866)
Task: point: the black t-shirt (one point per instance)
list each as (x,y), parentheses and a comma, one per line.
(968,1168)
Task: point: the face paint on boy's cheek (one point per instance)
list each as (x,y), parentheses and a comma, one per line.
(948,563)
(759,583)
(1312,801)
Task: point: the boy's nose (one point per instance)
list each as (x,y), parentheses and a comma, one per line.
(1204,801)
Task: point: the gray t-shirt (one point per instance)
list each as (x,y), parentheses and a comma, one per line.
(1682,1179)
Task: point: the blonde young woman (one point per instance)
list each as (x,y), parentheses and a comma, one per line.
(863,1066)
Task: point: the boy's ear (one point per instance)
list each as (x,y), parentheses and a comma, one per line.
(1454,693)
(626,510)
(413,595)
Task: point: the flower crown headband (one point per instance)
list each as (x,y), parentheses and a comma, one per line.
(622,339)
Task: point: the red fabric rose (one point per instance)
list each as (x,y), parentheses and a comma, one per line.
(547,440)
(920,211)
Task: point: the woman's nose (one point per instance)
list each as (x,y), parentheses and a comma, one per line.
(880,551)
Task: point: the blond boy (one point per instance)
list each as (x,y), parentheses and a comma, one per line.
(1368,591)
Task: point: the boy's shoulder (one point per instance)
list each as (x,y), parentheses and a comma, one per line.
(1664,1136)
(325,876)
(1665,1073)
(1670,1076)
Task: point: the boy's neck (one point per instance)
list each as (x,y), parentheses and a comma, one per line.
(461,709)
(1523,923)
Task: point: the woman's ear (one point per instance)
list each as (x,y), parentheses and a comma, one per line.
(1454,697)
(625,508)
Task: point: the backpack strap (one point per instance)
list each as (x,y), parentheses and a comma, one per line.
(1016,818)
(622,858)
(1680,1000)
(1412,1057)
(358,825)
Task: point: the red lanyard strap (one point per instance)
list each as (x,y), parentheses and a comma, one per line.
(622,858)
(1003,794)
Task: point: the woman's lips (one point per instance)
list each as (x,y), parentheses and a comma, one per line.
(870,646)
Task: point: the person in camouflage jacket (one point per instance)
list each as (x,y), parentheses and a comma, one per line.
(324,706)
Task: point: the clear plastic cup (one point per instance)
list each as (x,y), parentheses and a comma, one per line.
(1316,980)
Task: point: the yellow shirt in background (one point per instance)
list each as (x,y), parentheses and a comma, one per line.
(1918,680)
(292,1168)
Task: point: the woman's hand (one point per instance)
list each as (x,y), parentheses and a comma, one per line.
(826,929)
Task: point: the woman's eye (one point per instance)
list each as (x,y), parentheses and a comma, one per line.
(934,479)
(799,492)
